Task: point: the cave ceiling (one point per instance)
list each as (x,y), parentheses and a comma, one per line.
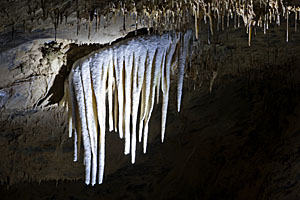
(100,21)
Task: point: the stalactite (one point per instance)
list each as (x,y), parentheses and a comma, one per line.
(235,16)
(133,71)
(69,104)
(296,18)
(147,89)
(110,93)
(287,26)
(219,20)
(182,61)
(265,27)
(72,106)
(128,82)
(138,79)
(118,60)
(165,84)
(249,33)
(77,83)
(90,118)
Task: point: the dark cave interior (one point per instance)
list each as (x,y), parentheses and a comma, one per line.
(235,137)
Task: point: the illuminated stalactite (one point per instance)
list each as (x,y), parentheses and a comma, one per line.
(128,76)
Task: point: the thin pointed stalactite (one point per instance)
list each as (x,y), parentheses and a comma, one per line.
(72,106)
(165,84)
(146,90)
(287,26)
(110,93)
(296,18)
(128,83)
(157,66)
(181,65)
(128,76)
(118,62)
(138,79)
(69,104)
(249,33)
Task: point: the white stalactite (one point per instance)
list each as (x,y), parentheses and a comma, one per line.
(157,67)
(182,61)
(166,84)
(128,72)
(91,124)
(75,124)
(110,92)
(129,77)
(118,61)
(138,79)
(146,89)
(77,81)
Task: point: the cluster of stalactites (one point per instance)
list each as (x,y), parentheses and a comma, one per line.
(174,15)
(164,15)
(127,77)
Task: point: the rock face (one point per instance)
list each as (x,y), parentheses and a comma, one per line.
(236,136)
